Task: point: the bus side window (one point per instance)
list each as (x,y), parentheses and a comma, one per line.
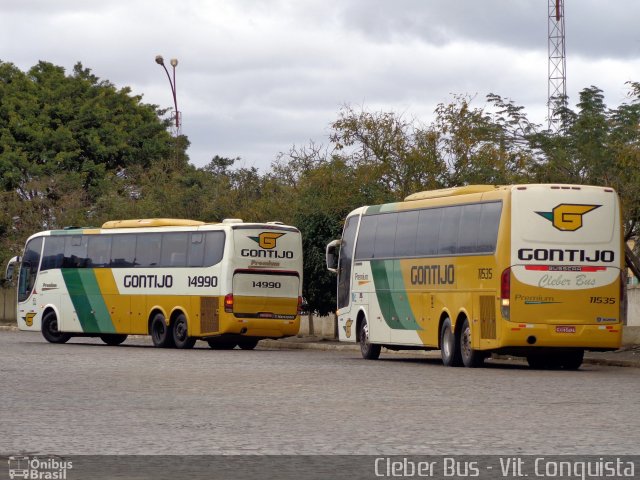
(98,251)
(53,255)
(489,225)
(123,248)
(214,248)
(148,249)
(469,228)
(75,252)
(449,226)
(366,238)
(406,233)
(174,249)
(428,232)
(196,250)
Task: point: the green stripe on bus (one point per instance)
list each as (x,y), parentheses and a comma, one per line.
(392,295)
(87,300)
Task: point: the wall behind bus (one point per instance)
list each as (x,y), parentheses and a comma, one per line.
(7,305)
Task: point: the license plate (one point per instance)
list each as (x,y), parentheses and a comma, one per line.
(565,329)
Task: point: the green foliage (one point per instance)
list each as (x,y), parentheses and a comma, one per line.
(74,150)
(62,140)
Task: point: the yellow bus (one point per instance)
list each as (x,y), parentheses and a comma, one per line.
(230,283)
(525,270)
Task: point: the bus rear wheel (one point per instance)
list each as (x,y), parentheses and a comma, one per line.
(160,333)
(221,343)
(572,360)
(50,329)
(113,339)
(470,358)
(369,351)
(449,349)
(180,333)
(248,343)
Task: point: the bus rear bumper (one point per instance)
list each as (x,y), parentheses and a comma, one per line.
(588,337)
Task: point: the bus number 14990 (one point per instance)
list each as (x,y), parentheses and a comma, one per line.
(267,285)
(203,281)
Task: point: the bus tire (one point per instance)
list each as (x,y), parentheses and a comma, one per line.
(572,360)
(179,332)
(449,348)
(221,343)
(160,332)
(50,329)
(248,343)
(113,339)
(543,361)
(470,358)
(369,351)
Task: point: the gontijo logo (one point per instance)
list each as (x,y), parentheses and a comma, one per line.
(567,217)
(267,240)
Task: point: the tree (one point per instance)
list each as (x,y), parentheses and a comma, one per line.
(63,138)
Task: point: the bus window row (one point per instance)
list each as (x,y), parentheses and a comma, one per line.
(454,230)
(171,249)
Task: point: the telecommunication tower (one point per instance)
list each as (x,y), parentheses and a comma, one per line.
(557,86)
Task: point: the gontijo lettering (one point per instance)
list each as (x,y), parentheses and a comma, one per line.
(148,281)
(565,255)
(432,274)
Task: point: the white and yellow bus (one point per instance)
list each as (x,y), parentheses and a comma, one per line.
(528,270)
(230,283)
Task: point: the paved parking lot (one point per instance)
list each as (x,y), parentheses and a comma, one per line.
(87,398)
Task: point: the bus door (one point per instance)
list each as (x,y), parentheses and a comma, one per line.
(346,318)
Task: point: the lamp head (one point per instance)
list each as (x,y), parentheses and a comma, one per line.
(159,60)
(174,62)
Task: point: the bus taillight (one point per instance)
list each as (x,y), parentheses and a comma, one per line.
(228,303)
(299,305)
(623,297)
(505,293)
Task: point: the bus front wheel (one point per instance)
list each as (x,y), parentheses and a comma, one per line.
(160,333)
(470,357)
(449,349)
(50,329)
(369,350)
(113,339)
(179,330)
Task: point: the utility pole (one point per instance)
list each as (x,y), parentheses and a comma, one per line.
(557,86)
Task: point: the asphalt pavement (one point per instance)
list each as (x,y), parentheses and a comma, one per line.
(627,356)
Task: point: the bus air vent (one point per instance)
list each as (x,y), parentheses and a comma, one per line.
(487,317)
(209,318)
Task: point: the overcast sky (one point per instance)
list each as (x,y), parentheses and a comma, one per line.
(258,76)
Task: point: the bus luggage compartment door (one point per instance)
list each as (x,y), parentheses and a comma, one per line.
(269,295)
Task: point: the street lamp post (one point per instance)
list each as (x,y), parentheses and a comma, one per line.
(172,83)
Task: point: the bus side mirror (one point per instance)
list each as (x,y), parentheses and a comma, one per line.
(11,269)
(333,249)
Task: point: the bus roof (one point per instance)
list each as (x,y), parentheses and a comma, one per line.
(152,222)
(450,192)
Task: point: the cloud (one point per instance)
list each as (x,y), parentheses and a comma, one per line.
(255,77)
